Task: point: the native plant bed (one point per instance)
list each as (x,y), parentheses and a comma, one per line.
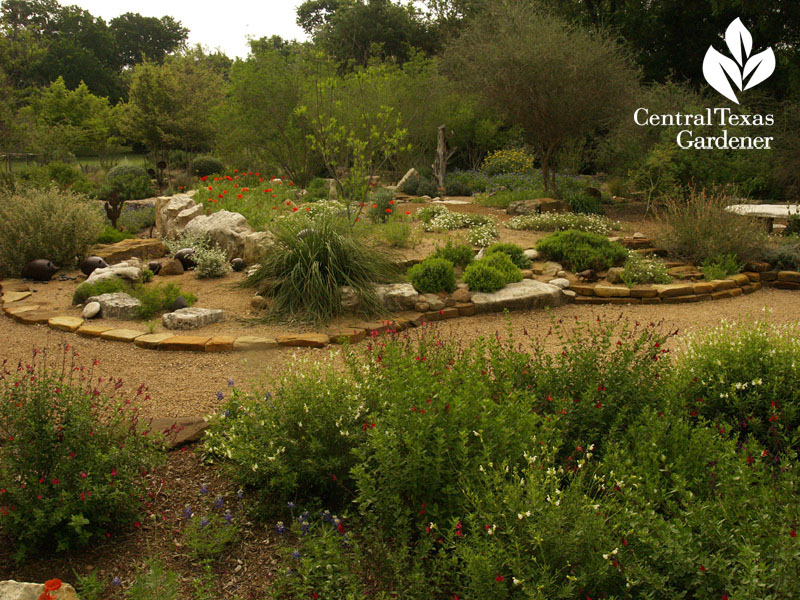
(427,468)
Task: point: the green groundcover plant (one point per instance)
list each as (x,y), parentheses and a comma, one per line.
(71,456)
(578,465)
(580,250)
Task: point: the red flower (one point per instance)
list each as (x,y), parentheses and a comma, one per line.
(703,568)
(792,533)
(294,209)
(239,196)
(388,210)
(499,579)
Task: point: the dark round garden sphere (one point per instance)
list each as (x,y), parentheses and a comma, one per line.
(154,266)
(90,263)
(178,303)
(238,264)
(40,269)
(186,258)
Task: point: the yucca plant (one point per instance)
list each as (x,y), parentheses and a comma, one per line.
(311,259)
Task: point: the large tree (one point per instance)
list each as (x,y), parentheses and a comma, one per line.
(557,81)
(171,104)
(139,37)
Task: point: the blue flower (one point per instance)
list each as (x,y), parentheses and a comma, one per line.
(228,517)
(230,382)
(219,502)
(203,523)
(116,582)
(187,512)
(220,396)
(240,494)
(305,527)
(296,555)
(280,528)
(290,504)
(204,490)
(226,414)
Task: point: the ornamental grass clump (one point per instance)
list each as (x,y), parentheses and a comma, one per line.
(71,457)
(310,260)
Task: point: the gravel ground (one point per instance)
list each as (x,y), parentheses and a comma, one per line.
(185,383)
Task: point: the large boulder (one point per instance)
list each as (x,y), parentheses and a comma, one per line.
(397,296)
(173,213)
(527,293)
(254,244)
(116,306)
(142,248)
(16,590)
(192,318)
(231,232)
(536,206)
(121,270)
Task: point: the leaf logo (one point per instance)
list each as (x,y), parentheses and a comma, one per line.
(743,71)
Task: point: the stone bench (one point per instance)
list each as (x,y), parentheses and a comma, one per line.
(767,212)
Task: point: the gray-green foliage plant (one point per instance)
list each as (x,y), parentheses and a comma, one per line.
(45,223)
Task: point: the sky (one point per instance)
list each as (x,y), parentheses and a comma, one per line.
(225,25)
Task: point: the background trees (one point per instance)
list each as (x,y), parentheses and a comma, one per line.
(557,81)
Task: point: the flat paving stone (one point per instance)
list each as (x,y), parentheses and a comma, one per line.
(191,343)
(65,323)
(151,340)
(93,330)
(9,297)
(524,294)
(304,340)
(220,343)
(36,317)
(252,342)
(121,335)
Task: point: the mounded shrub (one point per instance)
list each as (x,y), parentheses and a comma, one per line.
(433,275)
(580,250)
(58,226)
(71,457)
(503,263)
(202,166)
(125,171)
(482,277)
(514,252)
(420,186)
(458,254)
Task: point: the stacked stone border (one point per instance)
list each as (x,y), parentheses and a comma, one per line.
(687,291)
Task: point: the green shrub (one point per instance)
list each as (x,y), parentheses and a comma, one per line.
(584,203)
(154,299)
(743,376)
(210,529)
(433,275)
(158,298)
(109,286)
(420,186)
(310,260)
(514,252)
(292,443)
(125,170)
(317,189)
(644,269)
(502,262)
(512,160)
(136,218)
(211,261)
(700,229)
(154,580)
(203,166)
(579,250)
(564,221)
(458,254)
(397,232)
(109,235)
(481,277)
(380,205)
(70,459)
(456,186)
(793,226)
(785,255)
(127,186)
(721,267)
(58,226)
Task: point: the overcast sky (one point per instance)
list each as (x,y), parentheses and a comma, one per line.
(225,25)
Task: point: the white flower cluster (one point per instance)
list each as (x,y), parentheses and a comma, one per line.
(563,221)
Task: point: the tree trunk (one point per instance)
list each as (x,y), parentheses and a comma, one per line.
(442,156)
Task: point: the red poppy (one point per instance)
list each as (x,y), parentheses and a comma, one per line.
(239,196)
(499,578)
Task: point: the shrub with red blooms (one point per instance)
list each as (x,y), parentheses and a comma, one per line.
(71,454)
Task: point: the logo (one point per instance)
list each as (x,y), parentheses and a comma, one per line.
(743,70)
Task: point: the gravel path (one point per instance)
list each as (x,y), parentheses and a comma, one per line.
(185,383)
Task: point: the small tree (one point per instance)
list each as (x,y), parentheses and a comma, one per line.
(557,81)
